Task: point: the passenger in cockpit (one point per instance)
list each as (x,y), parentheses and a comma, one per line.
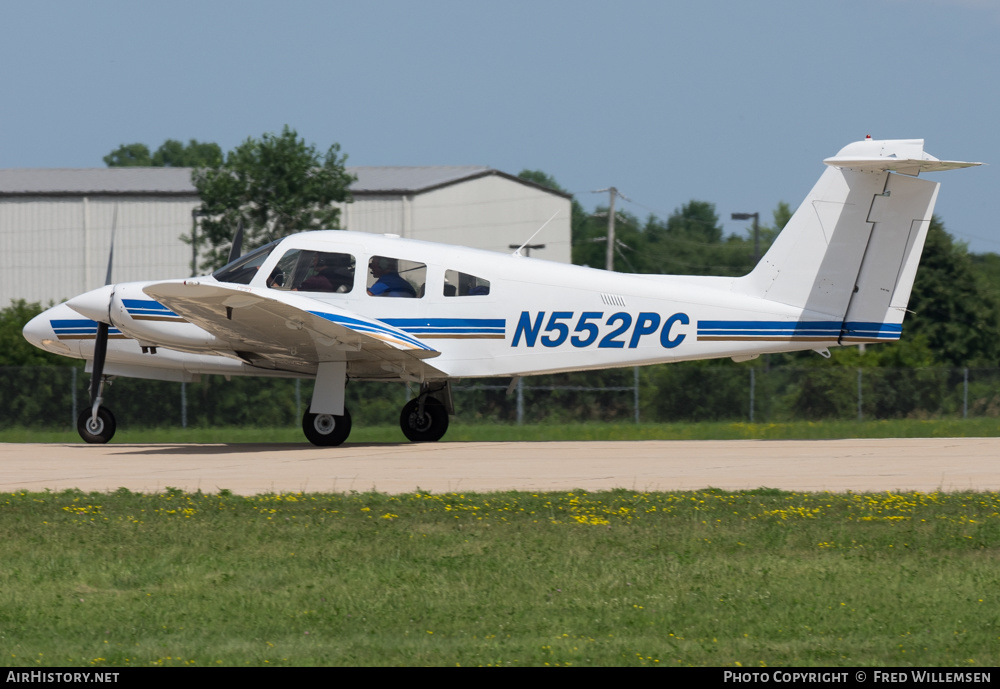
(388,282)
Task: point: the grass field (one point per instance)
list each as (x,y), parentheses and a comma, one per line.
(899,428)
(617,578)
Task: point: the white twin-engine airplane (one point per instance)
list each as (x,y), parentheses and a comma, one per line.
(338,305)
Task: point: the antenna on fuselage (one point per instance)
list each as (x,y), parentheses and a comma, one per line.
(517,251)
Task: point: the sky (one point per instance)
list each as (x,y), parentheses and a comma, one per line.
(732,102)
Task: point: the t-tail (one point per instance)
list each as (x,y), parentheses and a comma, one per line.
(849,254)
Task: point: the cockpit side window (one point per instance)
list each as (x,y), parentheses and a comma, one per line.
(458,284)
(313,271)
(242,270)
(396,277)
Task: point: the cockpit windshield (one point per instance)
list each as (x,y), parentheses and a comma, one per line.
(242,270)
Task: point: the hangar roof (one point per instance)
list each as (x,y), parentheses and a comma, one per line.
(176,181)
(156,181)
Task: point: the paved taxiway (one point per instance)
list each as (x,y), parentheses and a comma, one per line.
(924,464)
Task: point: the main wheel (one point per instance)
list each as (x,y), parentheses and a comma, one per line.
(98,432)
(326,430)
(427,428)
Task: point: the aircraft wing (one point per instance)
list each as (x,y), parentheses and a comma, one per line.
(291,331)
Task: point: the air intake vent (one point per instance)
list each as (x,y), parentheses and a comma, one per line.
(613,299)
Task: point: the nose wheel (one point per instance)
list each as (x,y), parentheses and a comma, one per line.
(326,430)
(96,430)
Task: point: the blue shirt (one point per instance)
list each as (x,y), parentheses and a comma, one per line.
(392,285)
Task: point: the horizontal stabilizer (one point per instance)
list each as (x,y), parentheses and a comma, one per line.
(905,156)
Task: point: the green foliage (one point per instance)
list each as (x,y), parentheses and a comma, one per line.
(14,349)
(690,242)
(275,185)
(129,155)
(697,391)
(541,178)
(171,154)
(984,402)
(951,307)
(987,270)
(175,154)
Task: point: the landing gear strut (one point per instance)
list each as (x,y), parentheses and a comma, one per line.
(326,430)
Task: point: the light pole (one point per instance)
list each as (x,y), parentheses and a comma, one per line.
(756,231)
(527,248)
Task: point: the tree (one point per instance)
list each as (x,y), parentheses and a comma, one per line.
(690,242)
(540,178)
(14,349)
(275,185)
(171,154)
(129,155)
(953,317)
(953,309)
(588,232)
(175,154)
(782,213)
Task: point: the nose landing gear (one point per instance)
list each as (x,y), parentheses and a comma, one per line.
(97,430)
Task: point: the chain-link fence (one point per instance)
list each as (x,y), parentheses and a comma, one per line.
(52,397)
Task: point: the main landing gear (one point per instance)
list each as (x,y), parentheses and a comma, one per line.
(326,430)
(424,419)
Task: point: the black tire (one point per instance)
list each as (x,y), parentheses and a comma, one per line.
(326,430)
(428,429)
(102,431)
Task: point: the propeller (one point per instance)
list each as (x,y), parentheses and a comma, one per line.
(234,252)
(101,341)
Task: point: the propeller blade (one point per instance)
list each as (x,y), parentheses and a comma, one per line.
(101,341)
(100,353)
(237,248)
(111,252)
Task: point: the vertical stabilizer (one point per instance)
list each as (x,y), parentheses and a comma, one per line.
(850,251)
(814,262)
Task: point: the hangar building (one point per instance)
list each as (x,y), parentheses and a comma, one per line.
(55,224)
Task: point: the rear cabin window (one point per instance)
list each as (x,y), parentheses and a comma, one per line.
(396,277)
(313,271)
(458,284)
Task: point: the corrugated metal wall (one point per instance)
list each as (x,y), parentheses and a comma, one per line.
(492,213)
(489,212)
(378,215)
(54,248)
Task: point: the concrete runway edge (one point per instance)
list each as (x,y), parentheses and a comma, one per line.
(859,465)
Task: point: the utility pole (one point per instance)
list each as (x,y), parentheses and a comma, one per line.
(609,257)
